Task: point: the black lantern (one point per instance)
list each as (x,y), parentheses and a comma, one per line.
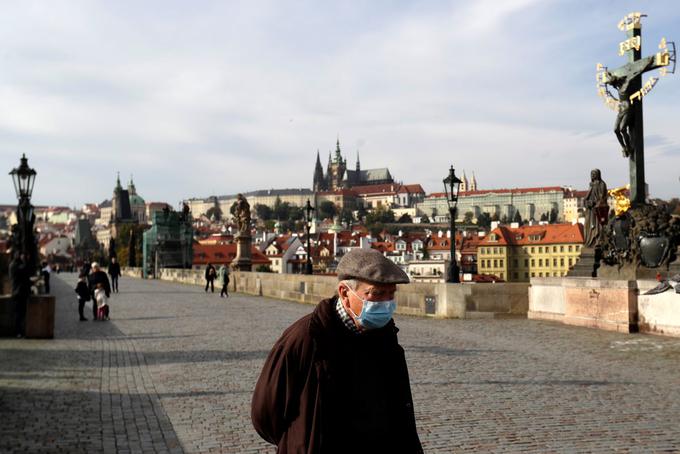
(451,187)
(23,178)
(308,225)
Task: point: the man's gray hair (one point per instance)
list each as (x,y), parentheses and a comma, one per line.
(351,283)
(94,266)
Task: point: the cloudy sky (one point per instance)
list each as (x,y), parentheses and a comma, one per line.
(196,98)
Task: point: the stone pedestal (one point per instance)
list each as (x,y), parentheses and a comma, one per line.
(601,303)
(40,317)
(243,260)
(6,316)
(585,267)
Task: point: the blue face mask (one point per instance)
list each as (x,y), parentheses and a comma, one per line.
(374,314)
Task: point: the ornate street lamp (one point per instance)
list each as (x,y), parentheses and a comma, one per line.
(308,226)
(451,186)
(23,178)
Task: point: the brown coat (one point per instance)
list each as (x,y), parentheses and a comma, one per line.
(324,389)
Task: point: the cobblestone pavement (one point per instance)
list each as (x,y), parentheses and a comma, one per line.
(174,369)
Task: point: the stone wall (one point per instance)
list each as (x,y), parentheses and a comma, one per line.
(611,304)
(658,314)
(423,299)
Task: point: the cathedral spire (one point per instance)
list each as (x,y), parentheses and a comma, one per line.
(318,174)
(358,164)
(118,186)
(338,155)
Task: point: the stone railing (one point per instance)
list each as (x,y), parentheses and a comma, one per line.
(610,304)
(423,299)
(131,271)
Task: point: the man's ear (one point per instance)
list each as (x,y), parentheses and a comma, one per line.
(342,292)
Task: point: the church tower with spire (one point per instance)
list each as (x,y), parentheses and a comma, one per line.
(464,185)
(473,183)
(319,180)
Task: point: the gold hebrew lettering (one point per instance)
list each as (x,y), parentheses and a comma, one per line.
(662,44)
(635,95)
(663,58)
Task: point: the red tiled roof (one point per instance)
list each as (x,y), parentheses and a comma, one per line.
(387,188)
(224,254)
(535,234)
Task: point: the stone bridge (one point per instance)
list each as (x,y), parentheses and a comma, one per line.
(174,369)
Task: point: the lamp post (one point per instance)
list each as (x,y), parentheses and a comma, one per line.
(451,186)
(23,178)
(308,225)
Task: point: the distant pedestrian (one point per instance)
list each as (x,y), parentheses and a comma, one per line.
(210,275)
(87,267)
(114,272)
(223,276)
(83,295)
(21,290)
(45,272)
(97,278)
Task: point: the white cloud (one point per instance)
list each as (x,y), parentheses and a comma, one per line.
(224,97)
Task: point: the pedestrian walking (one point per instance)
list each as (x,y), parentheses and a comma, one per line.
(45,272)
(83,295)
(97,278)
(223,276)
(114,272)
(337,381)
(21,290)
(210,275)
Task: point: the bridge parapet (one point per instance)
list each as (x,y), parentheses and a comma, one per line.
(439,300)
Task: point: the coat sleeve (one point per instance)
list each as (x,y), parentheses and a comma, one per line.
(277,396)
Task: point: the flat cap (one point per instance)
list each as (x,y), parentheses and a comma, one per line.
(371,266)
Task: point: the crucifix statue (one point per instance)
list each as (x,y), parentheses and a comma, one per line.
(627,81)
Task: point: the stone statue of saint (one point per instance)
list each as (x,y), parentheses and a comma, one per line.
(242,214)
(597,209)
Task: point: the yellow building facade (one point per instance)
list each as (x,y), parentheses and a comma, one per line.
(518,254)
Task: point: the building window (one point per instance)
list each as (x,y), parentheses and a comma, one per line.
(514,276)
(540,249)
(526,263)
(514,263)
(577,247)
(526,274)
(554,248)
(495,263)
(540,274)
(501,262)
(533,262)
(533,274)
(561,248)
(570,261)
(570,248)
(554,262)
(561,261)
(540,262)
(532,249)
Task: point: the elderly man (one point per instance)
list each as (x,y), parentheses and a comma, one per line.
(336,381)
(97,276)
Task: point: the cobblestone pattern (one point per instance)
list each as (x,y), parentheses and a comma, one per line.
(188,362)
